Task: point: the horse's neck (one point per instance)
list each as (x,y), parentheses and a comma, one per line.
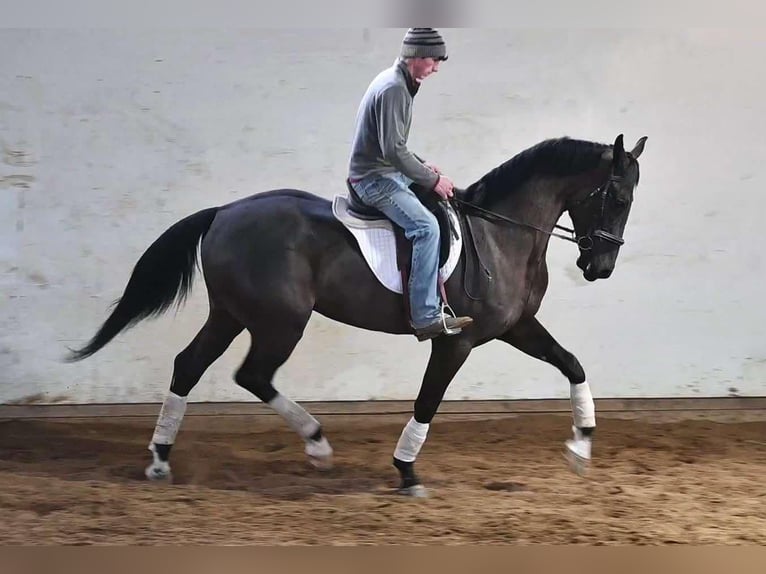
(538,202)
(512,243)
(585,182)
(541,200)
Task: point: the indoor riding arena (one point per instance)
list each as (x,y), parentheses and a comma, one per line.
(109,138)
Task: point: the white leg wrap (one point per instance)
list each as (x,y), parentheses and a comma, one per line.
(296,416)
(170,418)
(583,408)
(412,439)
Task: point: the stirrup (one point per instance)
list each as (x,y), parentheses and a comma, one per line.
(445,306)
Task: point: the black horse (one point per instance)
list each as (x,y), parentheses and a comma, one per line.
(272,259)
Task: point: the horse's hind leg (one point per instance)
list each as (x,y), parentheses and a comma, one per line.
(190,364)
(529,336)
(272,344)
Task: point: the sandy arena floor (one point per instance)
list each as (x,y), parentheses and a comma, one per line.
(244,480)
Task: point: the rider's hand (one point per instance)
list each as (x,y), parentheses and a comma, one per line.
(444,187)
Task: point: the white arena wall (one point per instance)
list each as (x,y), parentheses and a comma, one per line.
(109,137)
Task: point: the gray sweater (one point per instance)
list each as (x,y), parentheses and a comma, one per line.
(383,126)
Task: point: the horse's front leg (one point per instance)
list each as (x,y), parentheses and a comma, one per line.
(529,336)
(448,353)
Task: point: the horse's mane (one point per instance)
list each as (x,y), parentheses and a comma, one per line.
(557,157)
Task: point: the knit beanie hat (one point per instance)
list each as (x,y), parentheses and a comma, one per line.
(423,43)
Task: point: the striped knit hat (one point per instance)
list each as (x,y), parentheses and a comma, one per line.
(423,43)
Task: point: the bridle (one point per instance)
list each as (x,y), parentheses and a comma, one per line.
(584,242)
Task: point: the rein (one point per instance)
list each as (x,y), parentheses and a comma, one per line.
(585,242)
(493,217)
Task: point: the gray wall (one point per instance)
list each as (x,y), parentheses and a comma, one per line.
(109,137)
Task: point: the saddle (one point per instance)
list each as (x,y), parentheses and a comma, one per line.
(435,205)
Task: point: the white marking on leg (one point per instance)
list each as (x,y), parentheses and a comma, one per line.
(411,440)
(159,469)
(414,491)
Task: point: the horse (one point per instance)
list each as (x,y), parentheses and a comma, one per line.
(272,259)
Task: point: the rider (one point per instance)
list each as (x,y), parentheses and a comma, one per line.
(381,168)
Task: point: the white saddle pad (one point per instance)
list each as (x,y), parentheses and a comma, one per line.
(378,244)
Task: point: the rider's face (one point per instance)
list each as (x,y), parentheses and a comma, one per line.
(421,68)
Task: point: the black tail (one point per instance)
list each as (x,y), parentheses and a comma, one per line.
(163,274)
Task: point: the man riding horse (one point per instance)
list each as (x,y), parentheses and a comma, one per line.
(381,169)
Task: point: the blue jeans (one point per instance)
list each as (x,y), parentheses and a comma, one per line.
(390,194)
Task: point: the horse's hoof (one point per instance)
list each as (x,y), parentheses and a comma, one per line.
(414,491)
(158,473)
(321,462)
(319,453)
(579,462)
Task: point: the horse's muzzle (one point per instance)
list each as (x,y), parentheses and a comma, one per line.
(591,272)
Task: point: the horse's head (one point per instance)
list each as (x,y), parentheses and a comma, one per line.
(599,218)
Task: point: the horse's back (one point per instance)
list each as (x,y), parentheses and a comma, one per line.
(277,199)
(271,211)
(265,226)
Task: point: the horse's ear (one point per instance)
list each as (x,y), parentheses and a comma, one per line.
(639,148)
(616,153)
(619,148)
(619,158)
